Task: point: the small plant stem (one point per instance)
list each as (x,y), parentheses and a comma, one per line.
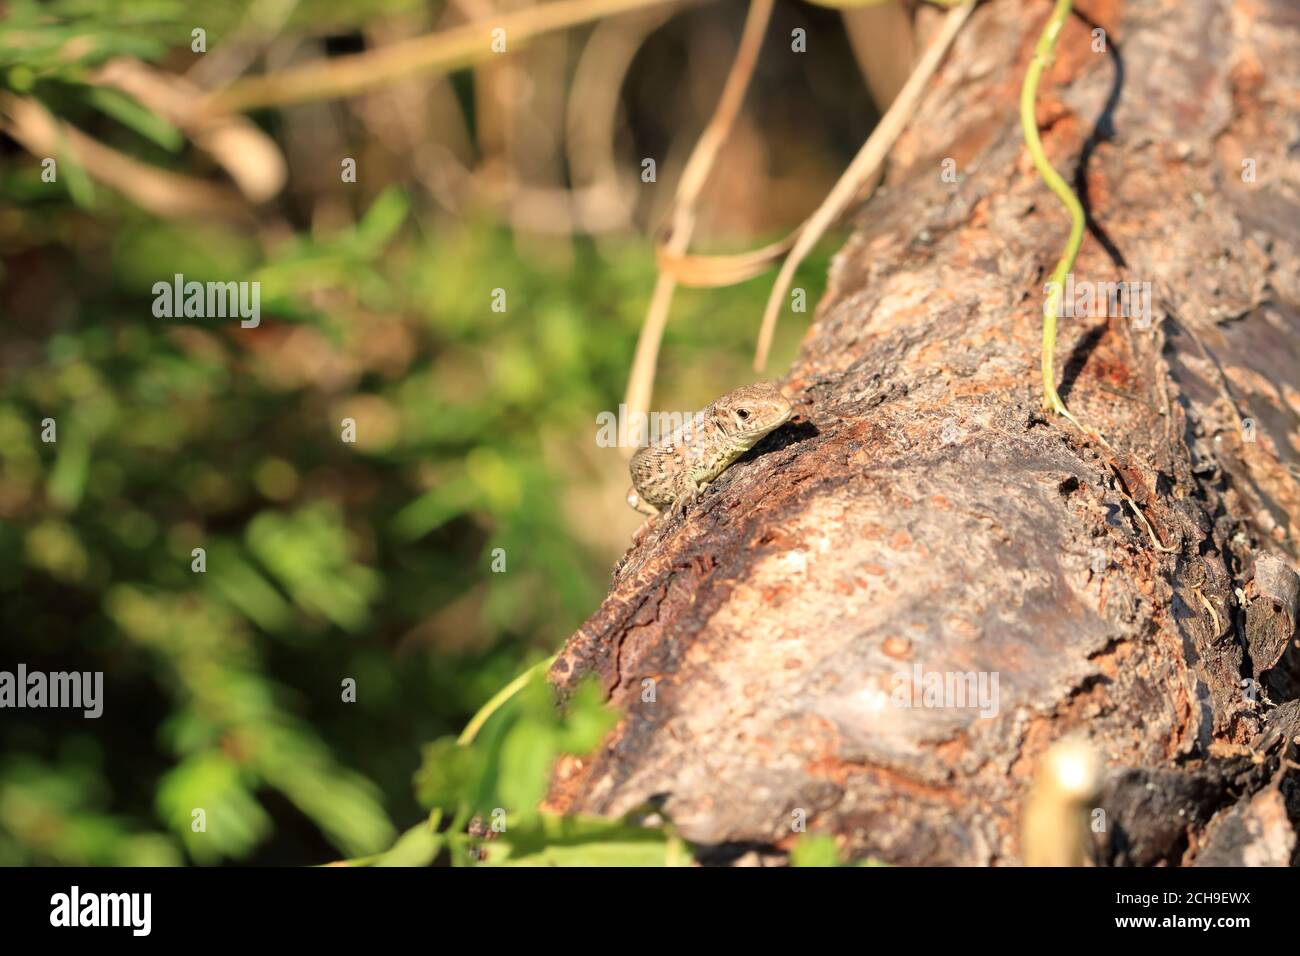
(1028,94)
(498,699)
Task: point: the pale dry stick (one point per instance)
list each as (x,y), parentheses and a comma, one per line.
(681,216)
(248,155)
(592,116)
(261,24)
(499,85)
(540,151)
(883,41)
(493,83)
(534,148)
(864,165)
(592,210)
(440,165)
(1054,820)
(165,194)
(1214,615)
(474,10)
(720,270)
(518,104)
(424,120)
(712,271)
(1151,532)
(440,52)
(542,210)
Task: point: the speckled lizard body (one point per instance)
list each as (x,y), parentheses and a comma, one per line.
(679,466)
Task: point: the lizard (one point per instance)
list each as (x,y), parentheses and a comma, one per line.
(667,474)
(673,470)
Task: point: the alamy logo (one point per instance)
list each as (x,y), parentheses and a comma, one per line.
(103,909)
(947,689)
(76,689)
(208,300)
(1115,300)
(637,429)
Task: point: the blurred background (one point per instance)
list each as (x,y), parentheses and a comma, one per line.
(475,428)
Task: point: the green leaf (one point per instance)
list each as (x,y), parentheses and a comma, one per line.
(130,113)
(345,805)
(381,222)
(527,753)
(584,841)
(309,554)
(233,821)
(434,508)
(68,478)
(448,774)
(74,176)
(815,849)
(243,586)
(418,846)
(586,721)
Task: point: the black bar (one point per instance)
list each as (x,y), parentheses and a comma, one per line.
(334,906)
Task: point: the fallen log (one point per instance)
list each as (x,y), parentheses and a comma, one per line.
(876,622)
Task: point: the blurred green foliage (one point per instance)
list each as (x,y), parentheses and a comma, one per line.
(490,789)
(324,560)
(820,849)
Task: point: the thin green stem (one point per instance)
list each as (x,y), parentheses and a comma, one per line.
(1028,94)
(498,699)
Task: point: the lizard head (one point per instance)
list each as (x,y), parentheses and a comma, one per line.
(750,412)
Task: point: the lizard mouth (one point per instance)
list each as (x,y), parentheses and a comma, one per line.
(766,430)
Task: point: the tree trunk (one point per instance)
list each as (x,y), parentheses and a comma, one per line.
(921,515)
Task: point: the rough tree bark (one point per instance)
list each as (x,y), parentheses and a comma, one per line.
(922,510)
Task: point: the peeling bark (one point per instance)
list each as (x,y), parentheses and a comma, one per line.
(922,512)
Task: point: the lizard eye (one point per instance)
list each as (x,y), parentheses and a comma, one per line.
(742,413)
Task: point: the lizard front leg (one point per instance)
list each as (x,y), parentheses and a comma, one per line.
(640,505)
(693,492)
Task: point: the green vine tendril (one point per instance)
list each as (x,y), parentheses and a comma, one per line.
(499,699)
(1042,58)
